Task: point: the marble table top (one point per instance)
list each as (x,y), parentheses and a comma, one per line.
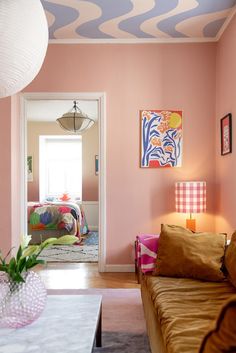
(68,324)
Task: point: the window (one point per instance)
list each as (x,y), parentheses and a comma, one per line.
(60,163)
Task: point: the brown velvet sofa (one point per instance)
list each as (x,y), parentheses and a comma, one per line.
(187,315)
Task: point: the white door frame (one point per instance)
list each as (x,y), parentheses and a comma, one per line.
(101,98)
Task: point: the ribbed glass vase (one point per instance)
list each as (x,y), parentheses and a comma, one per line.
(21,303)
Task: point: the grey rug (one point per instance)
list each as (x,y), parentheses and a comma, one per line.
(70,253)
(122,342)
(90,239)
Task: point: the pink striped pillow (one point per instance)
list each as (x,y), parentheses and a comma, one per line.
(147,251)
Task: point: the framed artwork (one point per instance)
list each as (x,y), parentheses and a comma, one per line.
(96,164)
(226,134)
(161,138)
(30,168)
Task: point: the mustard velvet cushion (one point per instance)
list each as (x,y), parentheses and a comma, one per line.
(230,260)
(182,253)
(222,339)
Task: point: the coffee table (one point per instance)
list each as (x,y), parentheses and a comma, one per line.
(69,323)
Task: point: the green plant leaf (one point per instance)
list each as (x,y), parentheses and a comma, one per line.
(1,258)
(26,257)
(12,265)
(47,242)
(30,260)
(32,264)
(66,240)
(31,250)
(12,274)
(41,262)
(19,253)
(18,278)
(3,268)
(21,264)
(3,261)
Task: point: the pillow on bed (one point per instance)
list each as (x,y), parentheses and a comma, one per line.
(182,253)
(50,199)
(230,260)
(222,339)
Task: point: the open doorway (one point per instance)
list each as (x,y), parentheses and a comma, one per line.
(66,172)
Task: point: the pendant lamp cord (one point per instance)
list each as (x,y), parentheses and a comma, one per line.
(75,108)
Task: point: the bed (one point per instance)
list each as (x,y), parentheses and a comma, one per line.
(54,219)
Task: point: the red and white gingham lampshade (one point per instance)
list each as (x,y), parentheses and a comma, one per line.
(190,196)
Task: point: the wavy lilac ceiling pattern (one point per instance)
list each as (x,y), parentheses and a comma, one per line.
(122,19)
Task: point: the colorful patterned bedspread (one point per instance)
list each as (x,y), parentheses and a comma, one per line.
(58,215)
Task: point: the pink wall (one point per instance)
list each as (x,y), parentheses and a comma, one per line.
(15,173)
(5,175)
(226,103)
(142,77)
(90,148)
(9,175)
(134,77)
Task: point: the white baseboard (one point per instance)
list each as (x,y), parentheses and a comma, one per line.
(91,211)
(119,268)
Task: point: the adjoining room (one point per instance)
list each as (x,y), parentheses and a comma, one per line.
(62,180)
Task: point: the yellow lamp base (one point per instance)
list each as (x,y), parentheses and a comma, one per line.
(191,224)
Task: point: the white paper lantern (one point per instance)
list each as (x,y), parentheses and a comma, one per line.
(23,43)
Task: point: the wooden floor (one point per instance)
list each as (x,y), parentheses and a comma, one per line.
(81,275)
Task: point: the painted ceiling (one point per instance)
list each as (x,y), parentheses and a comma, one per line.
(137,19)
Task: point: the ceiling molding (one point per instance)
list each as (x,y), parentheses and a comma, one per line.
(226,23)
(133,41)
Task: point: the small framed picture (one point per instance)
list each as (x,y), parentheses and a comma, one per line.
(96,165)
(226,134)
(30,168)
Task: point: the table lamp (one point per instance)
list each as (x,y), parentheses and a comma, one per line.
(190,197)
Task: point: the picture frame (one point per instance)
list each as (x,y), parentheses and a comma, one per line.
(29,168)
(96,165)
(226,134)
(161,138)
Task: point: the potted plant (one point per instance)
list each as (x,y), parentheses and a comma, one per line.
(22,292)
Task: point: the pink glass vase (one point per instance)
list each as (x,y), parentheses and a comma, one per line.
(21,303)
